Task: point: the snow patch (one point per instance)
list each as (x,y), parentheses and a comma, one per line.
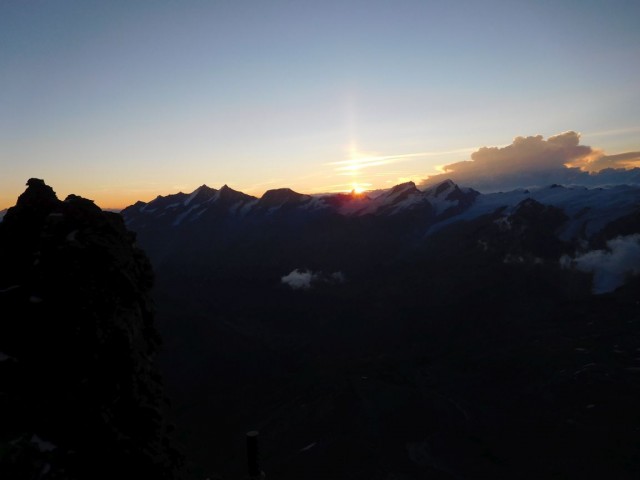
(145,208)
(191,196)
(308,447)
(314,203)
(233,209)
(242,211)
(412,199)
(8,289)
(183,215)
(197,214)
(441,205)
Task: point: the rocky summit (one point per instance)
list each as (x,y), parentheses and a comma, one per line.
(80,396)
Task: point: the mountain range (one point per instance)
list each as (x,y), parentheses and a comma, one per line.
(588,209)
(355,227)
(401,334)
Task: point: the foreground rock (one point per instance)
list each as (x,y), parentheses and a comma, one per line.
(79,393)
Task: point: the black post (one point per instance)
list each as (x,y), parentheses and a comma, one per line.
(252,455)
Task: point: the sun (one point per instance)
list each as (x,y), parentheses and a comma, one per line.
(357,189)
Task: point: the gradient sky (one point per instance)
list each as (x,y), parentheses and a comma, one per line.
(120,101)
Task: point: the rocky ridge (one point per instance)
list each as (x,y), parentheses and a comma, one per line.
(80,396)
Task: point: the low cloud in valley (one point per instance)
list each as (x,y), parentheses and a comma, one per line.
(305,279)
(611,267)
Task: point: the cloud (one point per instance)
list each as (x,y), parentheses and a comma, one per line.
(298,279)
(534,161)
(612,267)
(598,161)
(303,279)
(338,277)
(360,161)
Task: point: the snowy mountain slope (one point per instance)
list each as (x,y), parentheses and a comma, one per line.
(180,208)
(588,210)
(286,230)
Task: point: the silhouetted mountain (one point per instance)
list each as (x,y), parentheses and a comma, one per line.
(226,229)
(183,208)
(404,333)
(80,396)
(281,197)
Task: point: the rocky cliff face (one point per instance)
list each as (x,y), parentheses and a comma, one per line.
(79,393)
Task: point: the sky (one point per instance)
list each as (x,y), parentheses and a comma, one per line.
(121,101)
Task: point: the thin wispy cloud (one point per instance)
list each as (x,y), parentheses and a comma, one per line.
(357,165)
(617,131)
(377,158)
(361,161)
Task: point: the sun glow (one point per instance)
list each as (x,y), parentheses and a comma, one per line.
(357,188)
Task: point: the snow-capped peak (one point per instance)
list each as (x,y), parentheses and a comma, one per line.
(399,193)
(202,193)
(407,187)
(442,190)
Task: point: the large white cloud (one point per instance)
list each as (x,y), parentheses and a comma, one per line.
(534,161)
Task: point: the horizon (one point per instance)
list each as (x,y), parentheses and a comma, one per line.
(121,103)
(424,186)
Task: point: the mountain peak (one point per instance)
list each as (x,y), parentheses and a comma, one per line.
(37,192)
(200,194)
(444,186)
(34,204)
(280,196)
(228,193)
(406,187)
(204,187)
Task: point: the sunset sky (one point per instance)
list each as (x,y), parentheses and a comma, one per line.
(120,101)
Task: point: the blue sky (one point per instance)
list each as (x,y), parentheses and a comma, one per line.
(124,100)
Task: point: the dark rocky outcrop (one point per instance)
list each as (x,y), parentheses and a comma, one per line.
(80,396)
